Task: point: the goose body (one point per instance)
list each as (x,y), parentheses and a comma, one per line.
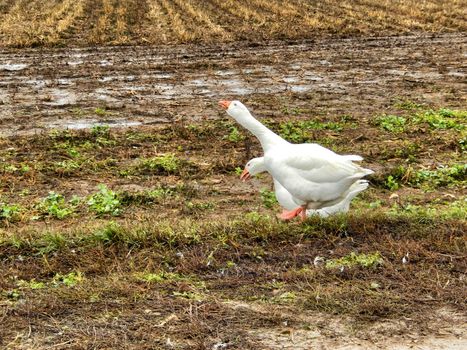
(286,200)
(313,175)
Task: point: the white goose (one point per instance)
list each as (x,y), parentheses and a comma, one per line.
(315,176)
(256,166)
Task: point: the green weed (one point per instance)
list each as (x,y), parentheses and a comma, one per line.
(9,212)
(67,166)
(19,169)
(391,183)
(50,242)
(110,233)
(443,176)
(268,198)
(455,210)
(167,163)
(189,295)
(463,143)
(100,130)
(191,207)
(442,119)
(392,123)
(32,284)
(299,131)
(159,277)
(70,279)
(105,201)
(235,135)
(54,205)
(353,259)
(100,111)
(407,105)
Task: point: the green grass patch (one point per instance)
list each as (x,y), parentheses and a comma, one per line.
(300,131)
(392,123)
(104,202)
(443,118)
(54,205)
(268,198)
(164,164)
(234,135)
(353,260)
(10,212)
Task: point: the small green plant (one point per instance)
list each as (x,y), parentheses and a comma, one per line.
(268,198)
(67,166)
(100,130)
(407,105)
(392,123)
(287,296)
(189,295)
(55,206)
(32,284)
(364,260)
(70,279)
(9,212)
(108,234)
(454,210)
(105,201)
(167,163)
(191,207)
(299,131)
(391,183)
(51,242)
(292,110)
(442,119)
(235,135)
(291,132)
(100,111)
(13,294)
(19,169)
(443,176)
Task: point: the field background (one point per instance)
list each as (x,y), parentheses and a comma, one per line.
(123,222)
(124,22)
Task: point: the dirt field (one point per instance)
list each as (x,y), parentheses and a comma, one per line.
(176,252)
(123,221)
(62,88)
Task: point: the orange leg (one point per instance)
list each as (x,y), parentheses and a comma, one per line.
(289,215)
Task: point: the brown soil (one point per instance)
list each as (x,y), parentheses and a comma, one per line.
(232,276)
(154,85)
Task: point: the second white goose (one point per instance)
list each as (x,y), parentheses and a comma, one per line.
(256,166)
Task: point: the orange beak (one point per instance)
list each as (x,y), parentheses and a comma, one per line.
(224,104)
(245,175)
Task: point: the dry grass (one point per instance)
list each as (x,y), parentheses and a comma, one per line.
(84,22)
(190,242)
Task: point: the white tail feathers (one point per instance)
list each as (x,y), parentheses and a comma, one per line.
(353,157)
(342,206)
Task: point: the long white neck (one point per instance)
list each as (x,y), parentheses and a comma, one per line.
(266,137)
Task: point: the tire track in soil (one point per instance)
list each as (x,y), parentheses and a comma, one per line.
(40,89)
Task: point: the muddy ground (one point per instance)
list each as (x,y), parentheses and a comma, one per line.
(42,88)
(195,259)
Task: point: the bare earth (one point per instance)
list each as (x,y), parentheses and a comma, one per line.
(154,85)
(154,90)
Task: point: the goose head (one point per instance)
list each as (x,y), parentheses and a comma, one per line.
(253,167)
(235,109)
